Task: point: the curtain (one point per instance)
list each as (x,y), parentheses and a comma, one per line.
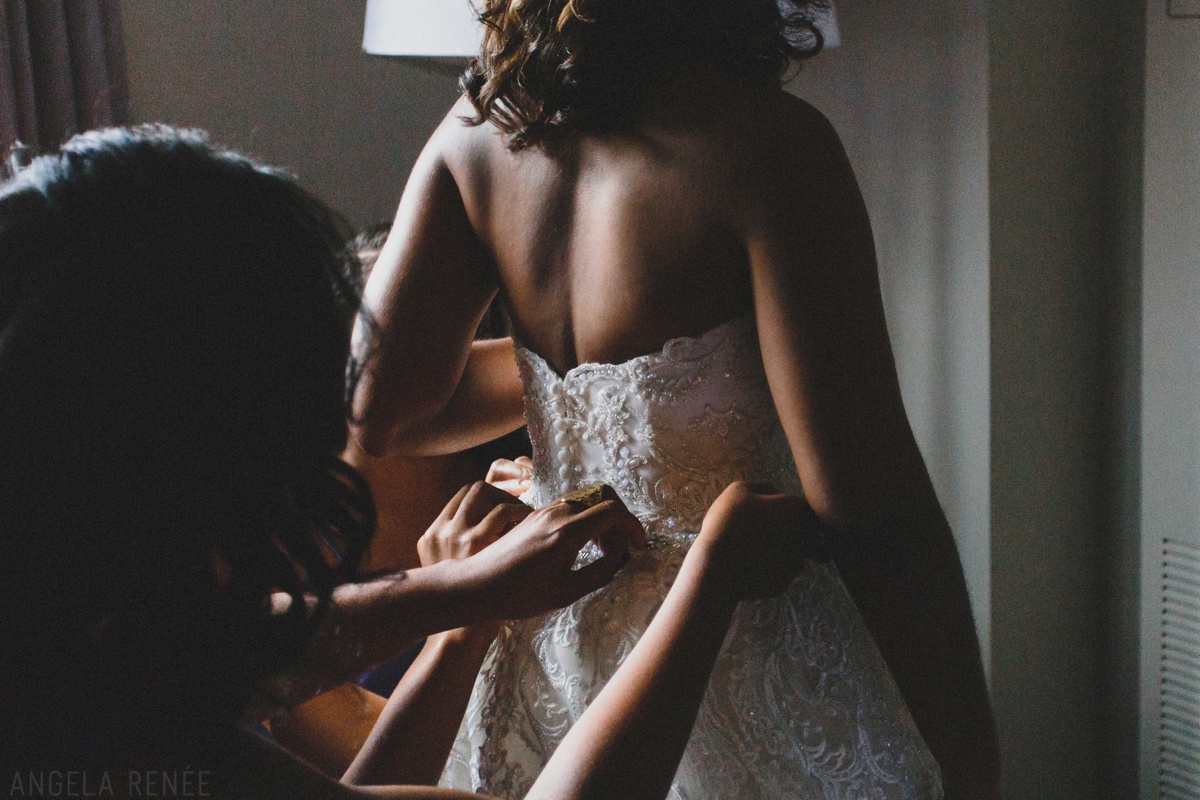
(62,70)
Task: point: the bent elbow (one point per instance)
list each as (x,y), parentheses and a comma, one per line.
(389,425)
(829,511)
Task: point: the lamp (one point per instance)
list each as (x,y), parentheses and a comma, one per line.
(449,28)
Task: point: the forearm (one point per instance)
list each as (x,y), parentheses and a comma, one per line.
(629,742)
(415,732)
(907,581)
(329,730)
(484,403)
(369,623)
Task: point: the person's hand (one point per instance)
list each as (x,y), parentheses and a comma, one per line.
(756,541)
(530,570)
(514,477)
(473,519)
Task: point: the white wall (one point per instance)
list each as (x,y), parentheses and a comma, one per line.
(288,82)
(1064,133)
(1171,409)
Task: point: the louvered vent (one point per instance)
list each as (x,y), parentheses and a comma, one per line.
(1179,719)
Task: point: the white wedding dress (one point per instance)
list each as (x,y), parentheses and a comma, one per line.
(800,704)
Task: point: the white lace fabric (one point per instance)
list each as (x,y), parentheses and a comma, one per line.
(800,703)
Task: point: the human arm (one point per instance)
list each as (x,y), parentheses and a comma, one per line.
(409,494)
(330,730)
(333,731)
(425,389)
(417,727)
(629,742)
(243,765)
(828,359)
(527,572)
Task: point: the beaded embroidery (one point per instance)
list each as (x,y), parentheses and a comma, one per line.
(800,704)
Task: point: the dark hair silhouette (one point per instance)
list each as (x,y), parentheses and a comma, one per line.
(547,67)
(173,351)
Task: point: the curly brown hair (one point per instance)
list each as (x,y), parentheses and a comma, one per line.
(548,67)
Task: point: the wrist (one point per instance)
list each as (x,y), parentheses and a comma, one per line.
(458,591)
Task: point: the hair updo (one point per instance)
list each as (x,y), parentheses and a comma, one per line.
(547,67)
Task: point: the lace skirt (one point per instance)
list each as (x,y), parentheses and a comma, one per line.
(800,703)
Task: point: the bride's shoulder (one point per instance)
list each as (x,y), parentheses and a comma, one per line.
(462,136)
(463,147)
(780,126)
(786,149)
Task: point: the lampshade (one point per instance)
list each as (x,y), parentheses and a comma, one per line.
(450,28)
(827,23)
(421,28)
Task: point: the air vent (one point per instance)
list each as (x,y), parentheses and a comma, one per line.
(1179,693)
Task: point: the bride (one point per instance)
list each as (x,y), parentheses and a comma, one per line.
(692,282)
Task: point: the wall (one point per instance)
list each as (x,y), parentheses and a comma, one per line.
(1064,133)
(1171,401)
(289,83)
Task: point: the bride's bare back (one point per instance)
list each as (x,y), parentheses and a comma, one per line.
(605,246)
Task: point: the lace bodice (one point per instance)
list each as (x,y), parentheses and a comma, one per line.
(799,705)
(669,431)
